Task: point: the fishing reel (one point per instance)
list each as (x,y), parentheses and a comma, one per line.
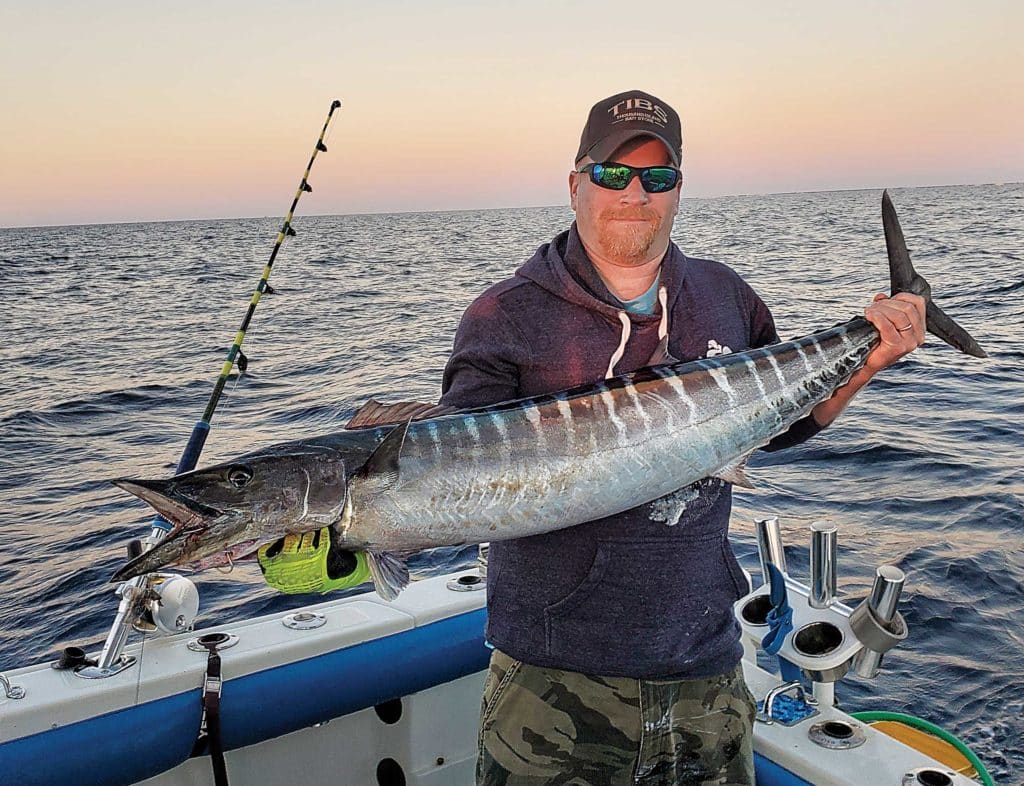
(166,603)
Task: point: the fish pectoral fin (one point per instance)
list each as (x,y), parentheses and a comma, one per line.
(735,472)
(389,572)
(382,468)
(374,413)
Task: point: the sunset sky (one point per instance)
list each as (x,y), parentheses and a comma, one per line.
(128,111)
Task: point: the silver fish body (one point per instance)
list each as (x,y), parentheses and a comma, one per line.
(550,462)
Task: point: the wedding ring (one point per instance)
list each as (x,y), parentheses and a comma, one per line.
(905,329)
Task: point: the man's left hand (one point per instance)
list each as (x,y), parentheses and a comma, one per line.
(900,322)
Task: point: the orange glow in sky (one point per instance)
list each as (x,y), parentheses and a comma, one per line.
(118,111)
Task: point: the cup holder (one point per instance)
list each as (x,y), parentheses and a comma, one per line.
(929,776)
(755,611)
(817,639)
(839,730)
(216,639)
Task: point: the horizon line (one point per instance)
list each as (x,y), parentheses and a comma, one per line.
(481,209)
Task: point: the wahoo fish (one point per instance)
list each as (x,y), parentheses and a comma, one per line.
(397,481)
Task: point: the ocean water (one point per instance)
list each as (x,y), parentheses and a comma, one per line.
(114,334)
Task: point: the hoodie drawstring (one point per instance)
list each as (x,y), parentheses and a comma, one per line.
(617,354)
(663,299)
(626,328)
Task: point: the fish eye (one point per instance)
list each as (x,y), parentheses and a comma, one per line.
(239,476)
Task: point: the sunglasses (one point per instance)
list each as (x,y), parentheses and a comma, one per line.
(654,179)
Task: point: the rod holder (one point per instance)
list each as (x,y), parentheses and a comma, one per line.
(823,564)
(885,596)
(769,546)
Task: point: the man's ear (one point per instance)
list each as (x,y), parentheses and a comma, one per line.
(574,184)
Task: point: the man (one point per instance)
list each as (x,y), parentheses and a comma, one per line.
(616,654)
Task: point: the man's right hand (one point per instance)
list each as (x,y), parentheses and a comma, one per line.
(306,563)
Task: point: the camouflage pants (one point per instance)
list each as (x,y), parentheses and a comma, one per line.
(541,727)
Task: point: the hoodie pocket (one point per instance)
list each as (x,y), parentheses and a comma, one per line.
(648,606)
(740,580)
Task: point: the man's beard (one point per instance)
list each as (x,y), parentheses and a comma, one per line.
(628,243)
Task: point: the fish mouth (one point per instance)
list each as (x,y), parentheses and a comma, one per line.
(181,511)
(190,539)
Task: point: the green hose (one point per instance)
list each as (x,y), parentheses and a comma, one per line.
(931,728)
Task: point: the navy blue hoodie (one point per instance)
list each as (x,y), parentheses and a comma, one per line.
(647,593)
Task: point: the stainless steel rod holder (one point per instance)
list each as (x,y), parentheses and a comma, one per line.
(769,545)
(127,609)
(885,593)
(823,564)
(885,596)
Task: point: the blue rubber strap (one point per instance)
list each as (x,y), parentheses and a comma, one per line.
(780,622)
(790,671)
(780,617)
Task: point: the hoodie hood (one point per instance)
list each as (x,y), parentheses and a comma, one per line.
(563,268)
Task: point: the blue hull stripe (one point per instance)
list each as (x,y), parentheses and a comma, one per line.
(120,747)
(300,694)
(768,773)
(138,742)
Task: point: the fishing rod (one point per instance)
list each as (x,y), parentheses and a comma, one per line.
(133,593)
(202,428)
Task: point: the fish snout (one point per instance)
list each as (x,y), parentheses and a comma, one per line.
(164,497)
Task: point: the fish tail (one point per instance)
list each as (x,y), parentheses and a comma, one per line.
(903,278)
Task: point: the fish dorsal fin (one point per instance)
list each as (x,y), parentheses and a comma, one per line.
(382,466)
(661,354)
(735,472)
(389,572)
(374,413)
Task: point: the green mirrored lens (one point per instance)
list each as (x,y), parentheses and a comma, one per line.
(656,179)
(613,177)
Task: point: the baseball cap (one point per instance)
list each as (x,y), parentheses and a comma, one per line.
(622,117)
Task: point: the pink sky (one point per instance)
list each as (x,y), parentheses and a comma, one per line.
(115,111)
